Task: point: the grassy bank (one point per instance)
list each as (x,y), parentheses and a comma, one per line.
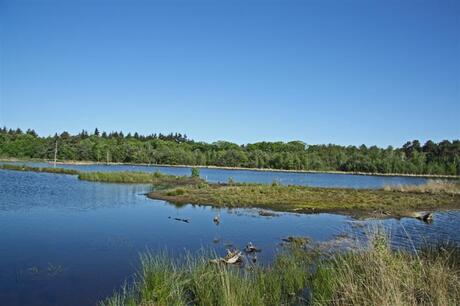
(157,179)
(37,169)
(374,276)
(312,199)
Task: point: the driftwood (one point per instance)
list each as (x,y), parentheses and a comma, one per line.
(232,257)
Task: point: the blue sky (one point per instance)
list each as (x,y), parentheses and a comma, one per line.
(345,72)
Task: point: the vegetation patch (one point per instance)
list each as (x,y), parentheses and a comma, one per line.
(157,179)
(37,169)
(372,276)
(432,186)
(314,199)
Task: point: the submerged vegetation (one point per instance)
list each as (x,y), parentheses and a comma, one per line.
(299,276)
(314,199)
(441,158)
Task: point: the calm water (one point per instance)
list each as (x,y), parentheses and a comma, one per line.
(70,242)
(251,176)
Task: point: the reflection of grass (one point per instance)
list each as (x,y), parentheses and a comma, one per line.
(310,199)
(373,276)
(37,169)
(54,269)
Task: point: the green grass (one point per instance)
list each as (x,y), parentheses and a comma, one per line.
(38,169)
(195,281)
(157,178)
(372,276)
(312,199)
(379,276)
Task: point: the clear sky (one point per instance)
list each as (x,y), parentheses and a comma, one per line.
(345,72)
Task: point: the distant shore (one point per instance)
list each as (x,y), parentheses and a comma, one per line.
(88,163)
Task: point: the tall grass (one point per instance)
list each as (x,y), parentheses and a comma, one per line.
(373,276)
(380,276)
(38,169)
(432,187)
(195,281)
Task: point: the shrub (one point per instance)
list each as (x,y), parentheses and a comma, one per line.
(195,172)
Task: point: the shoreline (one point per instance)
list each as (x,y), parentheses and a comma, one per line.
(89,163)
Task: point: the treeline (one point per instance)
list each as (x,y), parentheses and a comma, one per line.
(176,149)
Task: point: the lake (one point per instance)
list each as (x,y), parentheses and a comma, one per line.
(69,242)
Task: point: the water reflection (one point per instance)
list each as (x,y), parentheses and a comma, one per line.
(70,242)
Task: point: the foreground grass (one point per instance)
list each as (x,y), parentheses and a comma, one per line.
(379,276)
(375,276)
(311,199)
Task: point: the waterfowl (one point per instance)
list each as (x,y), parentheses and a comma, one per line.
(250,248)
(216,219)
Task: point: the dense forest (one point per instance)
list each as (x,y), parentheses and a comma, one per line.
(177,149)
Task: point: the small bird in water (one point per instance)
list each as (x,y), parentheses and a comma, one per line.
(216,219)
(427,218)
(250,248)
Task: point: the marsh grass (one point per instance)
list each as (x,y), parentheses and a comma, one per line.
(159,180)
(375,275)
(195,281)
(38,169)
(432,187)
(380,276)
(312,199)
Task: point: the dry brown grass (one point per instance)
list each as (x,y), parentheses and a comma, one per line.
(380,276)
(432,187)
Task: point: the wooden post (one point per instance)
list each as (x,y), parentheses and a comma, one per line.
(55,153)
